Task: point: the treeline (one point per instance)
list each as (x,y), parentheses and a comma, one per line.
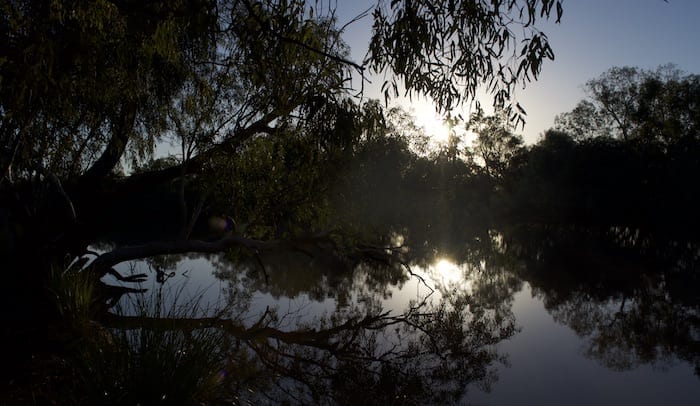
(370,172)
(627,155)
(605,182)
(630,159)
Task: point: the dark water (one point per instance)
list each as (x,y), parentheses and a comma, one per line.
(571,318)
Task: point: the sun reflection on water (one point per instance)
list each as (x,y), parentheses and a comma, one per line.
(446,272)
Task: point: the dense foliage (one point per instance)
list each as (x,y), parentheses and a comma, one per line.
(629,103)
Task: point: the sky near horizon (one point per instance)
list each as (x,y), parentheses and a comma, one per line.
(593,36)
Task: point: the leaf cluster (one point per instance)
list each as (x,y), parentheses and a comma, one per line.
(449,48)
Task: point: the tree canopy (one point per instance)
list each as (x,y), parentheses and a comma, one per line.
(87,84)
(630,103)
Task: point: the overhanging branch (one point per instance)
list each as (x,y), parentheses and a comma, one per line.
(198,163)
(107,260)
(266,26)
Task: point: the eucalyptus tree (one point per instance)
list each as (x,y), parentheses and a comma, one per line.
(90,86)
(80,80)
(85,83)
(629,103)
(87,87)
(495,144)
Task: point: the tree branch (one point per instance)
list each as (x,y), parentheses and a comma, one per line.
(104,262)
(197,163)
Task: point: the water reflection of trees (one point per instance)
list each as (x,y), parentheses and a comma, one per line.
(630,295)
(359,353)
(320,275)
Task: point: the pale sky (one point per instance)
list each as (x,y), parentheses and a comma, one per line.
(594,35)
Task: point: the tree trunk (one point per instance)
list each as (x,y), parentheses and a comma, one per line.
(121,132)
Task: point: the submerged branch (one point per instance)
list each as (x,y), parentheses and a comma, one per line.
(107,260)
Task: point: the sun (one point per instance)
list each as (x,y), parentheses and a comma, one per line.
(433,124)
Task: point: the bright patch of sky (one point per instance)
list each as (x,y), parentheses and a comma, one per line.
(594,35)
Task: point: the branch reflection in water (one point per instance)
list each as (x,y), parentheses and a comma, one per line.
(378,328)
(322,331)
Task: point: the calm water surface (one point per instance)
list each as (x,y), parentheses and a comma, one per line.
(560,352)
(548,366)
